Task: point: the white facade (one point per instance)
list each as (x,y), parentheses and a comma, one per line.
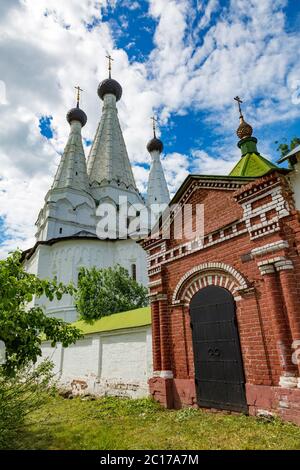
(67,235)
(63,259)
(116,363)
(294,178)
(69,206)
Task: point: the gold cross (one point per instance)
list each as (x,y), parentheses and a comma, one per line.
(78,94)
(110,60)
(239,101)
(154,121)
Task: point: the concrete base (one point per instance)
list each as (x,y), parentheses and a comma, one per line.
(261,399)
(173,393)
(284,402)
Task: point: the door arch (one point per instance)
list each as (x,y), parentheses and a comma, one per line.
(219,373)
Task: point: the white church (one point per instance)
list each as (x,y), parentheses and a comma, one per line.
(66,237)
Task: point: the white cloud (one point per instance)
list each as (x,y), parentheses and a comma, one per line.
(45,49)
(176,168)
(209,9)
(205,164)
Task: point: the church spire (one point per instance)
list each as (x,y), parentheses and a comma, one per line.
(157,192)
(108,162)
(252,162)
(72,172)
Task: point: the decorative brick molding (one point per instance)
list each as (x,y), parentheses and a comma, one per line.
(153,297)
(280,263)
(270,248)
(218,274)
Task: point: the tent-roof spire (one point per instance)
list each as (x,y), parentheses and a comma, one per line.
(108,160)
(72,170)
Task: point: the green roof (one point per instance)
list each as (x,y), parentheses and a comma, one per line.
(252,164)
(117,321)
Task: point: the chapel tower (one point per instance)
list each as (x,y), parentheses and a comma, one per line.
(158,192)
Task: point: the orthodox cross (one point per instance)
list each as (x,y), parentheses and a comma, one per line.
(239,101)
(154,121)
(110,60)
(78,89)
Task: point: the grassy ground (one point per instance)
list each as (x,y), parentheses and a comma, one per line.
(111,423)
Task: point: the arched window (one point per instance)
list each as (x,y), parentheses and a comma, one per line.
(133,271)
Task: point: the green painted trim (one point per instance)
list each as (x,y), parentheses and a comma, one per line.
(117,321)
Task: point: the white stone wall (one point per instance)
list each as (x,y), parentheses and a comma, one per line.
(115,363)
(64,259)
(294,178)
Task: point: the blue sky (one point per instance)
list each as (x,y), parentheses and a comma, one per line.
(183,60)
(133,30)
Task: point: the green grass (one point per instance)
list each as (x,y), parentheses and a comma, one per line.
(112,423)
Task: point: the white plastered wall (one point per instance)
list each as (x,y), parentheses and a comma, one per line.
(116,363)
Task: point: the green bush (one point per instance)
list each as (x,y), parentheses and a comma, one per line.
(21,394)
(102,292)
(22,325)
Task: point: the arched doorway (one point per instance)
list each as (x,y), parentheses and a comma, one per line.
(219,374)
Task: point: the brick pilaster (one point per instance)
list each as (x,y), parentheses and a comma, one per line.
(164,335)
(156,337)
(292,303)
(280,327)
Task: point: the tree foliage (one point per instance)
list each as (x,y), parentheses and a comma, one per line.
(102,292)
(284,148)
(21,394)
(21,325)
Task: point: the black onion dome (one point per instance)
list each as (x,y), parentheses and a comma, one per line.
(76,114)
(155,144)
(110,86)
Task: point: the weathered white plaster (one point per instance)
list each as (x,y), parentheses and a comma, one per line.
(115,363)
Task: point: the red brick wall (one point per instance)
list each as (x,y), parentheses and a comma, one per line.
(268,314)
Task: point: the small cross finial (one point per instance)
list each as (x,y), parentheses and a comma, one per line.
(110,60)
(239,101)
(154,121)
(78,90)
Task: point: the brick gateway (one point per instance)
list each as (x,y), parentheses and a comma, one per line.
(251,251)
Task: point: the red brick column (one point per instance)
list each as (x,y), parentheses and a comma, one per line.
(164,337)
(292,302)
(283,363)
(161,385)
(156,352)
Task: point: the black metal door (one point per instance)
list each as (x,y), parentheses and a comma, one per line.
(219,373)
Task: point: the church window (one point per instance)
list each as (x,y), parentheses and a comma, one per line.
(60,230)
(133,271)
